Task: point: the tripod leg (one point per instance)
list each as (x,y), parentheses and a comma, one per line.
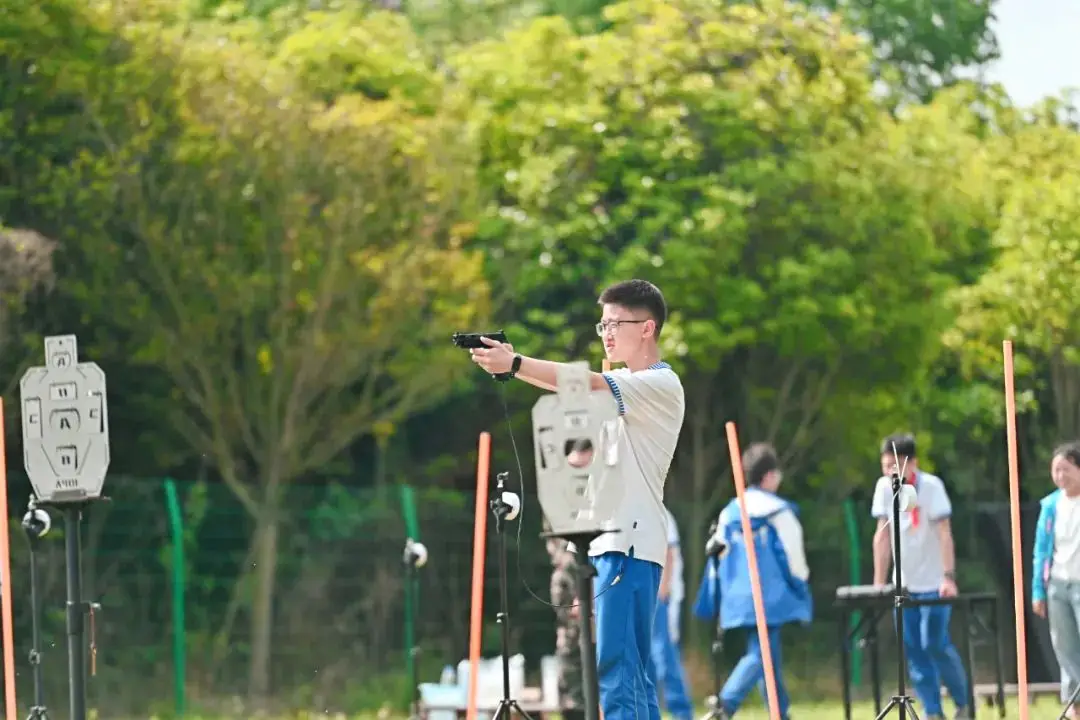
(1071,701)
(521,713)
(887,709)
(38,710)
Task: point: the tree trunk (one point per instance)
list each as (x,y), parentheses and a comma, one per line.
(262,606)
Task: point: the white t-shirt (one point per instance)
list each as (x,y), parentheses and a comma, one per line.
(1065,564)
(651,406)
(920,548)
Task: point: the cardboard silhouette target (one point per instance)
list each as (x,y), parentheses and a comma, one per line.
(576,443)
(65,425)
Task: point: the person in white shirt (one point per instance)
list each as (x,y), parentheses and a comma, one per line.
(666,650)
(1055,587)
(927,557)
(651,404)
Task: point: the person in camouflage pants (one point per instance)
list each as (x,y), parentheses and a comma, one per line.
(568,634)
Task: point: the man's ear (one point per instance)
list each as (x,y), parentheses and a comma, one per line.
(649,328)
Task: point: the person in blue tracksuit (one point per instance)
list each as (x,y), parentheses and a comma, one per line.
(1055,583)
(783,571)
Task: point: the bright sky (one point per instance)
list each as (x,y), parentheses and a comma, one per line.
(1040,48)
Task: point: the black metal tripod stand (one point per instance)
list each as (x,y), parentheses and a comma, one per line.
(413,558)
(503,512)
(901,700)
(36,523)
(714,548)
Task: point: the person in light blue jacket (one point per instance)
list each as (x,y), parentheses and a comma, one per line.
(783,571)
(1055,581)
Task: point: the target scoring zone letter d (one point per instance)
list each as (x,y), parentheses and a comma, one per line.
(65,424)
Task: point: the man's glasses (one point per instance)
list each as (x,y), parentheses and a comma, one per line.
(612,326)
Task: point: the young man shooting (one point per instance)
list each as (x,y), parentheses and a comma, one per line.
(928,571)
(651,404)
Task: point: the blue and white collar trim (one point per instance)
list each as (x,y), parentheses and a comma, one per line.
(661,365)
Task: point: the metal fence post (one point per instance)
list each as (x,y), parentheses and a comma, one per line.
(176,528)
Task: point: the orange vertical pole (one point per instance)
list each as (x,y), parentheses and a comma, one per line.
(1017,549)
(10,707)
(755,579)
(606,365)
(476,620)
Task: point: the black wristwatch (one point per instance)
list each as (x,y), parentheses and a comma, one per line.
(515,365)
(950,575)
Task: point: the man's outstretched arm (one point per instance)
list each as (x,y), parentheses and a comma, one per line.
(542,374)
(496,357)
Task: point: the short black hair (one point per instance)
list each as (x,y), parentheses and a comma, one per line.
(759,460)
(637,295)
(903,442)
(1070,451)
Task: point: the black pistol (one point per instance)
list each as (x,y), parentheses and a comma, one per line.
(470,341)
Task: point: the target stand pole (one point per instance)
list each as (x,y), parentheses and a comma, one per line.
(76,612)
(36,523)
(585,574)
(414,557)
(412,649)
(901,701)
(505,506)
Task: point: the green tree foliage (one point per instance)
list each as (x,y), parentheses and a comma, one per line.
(919,46)
(737,156)
(26,266)
(1028,293)
(290,264)
(923,45)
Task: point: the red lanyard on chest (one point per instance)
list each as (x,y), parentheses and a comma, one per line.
(913,481)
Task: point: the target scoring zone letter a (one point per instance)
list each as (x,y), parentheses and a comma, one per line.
(576,437)
(65,425)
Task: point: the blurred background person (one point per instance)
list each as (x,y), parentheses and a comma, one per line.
(666,647)
(1055,587)
(567,631)
(783,572)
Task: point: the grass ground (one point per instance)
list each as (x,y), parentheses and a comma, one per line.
(1045,708)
